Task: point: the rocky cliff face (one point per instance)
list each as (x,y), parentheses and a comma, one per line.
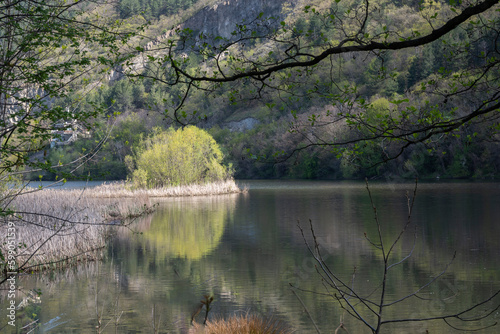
(11,106)
(221,18)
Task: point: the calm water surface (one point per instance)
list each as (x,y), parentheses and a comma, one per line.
(245,250)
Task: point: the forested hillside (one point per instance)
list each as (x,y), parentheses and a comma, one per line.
(286,129)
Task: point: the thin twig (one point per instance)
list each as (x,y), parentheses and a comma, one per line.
(307,311)
(425,285)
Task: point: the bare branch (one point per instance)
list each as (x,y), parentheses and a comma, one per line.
(425,285)
(307,311)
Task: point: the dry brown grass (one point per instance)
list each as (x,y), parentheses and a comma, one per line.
(58,227)
(243,324)
(123,190)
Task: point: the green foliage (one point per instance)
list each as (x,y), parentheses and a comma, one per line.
(178,157)
(48,55)
(378,109)
(108,157)
(459,167)
(348,168)
(103,166)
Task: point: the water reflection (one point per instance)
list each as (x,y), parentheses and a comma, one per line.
(246,249)
(187,228)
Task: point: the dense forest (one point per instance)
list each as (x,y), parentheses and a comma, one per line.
(269,137)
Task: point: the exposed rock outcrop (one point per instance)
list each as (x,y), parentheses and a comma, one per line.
(221,18)
(244,125)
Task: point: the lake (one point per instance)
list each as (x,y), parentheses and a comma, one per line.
(246,249)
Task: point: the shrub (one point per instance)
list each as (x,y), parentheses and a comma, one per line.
(244,324)
(178,157)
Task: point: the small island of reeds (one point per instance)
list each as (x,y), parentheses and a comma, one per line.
(124,190)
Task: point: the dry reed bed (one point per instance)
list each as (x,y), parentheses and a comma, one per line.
(122,190)
(242,324)
(59,227)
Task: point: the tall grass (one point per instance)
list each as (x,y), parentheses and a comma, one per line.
(59,227)
(123,190)
(243,324)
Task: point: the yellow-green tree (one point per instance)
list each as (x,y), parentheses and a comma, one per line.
(177,157)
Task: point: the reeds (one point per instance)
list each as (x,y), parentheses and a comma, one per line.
(54,228)
(243,324)
(123,190)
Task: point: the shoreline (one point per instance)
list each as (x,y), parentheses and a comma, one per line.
(122,190)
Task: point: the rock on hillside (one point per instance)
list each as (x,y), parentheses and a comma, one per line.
(218,19)
(221,18)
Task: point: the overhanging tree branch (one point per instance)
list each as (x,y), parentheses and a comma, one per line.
(371,46)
